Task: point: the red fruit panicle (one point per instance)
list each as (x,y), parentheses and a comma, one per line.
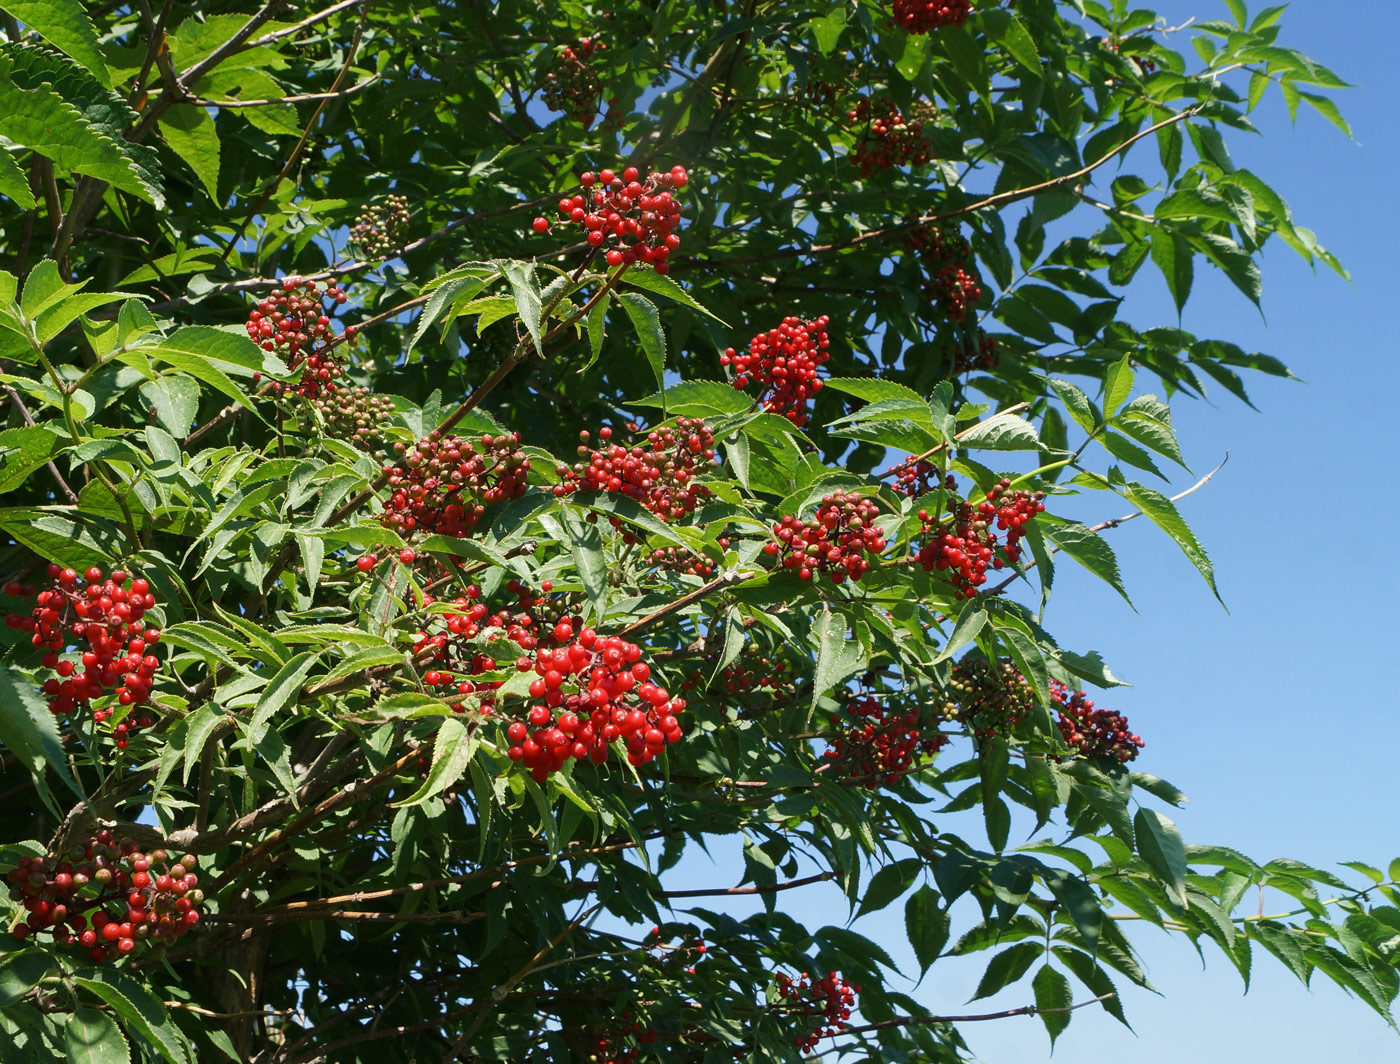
(443,484)
(945,257)
(659,471)
(969,546)
(822,1008)
(295,320)
(571,84)
(1093,732)
(878,744)
(784,362)
(925,16)
(630,219)
(836,541)
(887,137)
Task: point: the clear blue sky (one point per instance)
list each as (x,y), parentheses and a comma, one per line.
(1277,718)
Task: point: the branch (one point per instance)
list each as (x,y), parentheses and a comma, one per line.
(320,16)
(1025,1010)
(727,580)
(459,916)
(722,892)
(306,97)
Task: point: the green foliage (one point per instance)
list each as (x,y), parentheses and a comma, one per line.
(330,728)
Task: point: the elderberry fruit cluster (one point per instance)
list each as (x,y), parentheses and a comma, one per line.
(888,138)
(571,85)
(918,476)
(925,16)
(989,700)
(355,415)
(659,471)
(107,898)
(969,546)
(822,1007)
(105,617)
(879,745)
(634,220)
(686,562)
(295,319)
(976,352)
(591,691)
(835,541)
(379,230)
(784,362)
(1093,732)
(945,258)
(443,484)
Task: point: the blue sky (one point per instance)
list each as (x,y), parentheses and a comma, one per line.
(1278,716)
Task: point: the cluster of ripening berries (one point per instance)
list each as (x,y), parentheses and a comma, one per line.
(967,548)
(105,616)
(295,320)
(784,362)
(591,691)
(989,700)
(571,85)
(659,471)
(1093,732)
(979,352)
(1144,64)
(919,476)
(880,745)
(889,137)
(753,683)
(355,415)
(687,562)
(380,229)
(945,257)
(107,898)
(443,484)
(822,1006)
(835,541)
(635,220)
(925,16)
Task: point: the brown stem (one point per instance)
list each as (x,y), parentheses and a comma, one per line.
(725,892)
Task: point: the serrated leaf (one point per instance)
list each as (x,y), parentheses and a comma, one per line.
(1117,385)
(646,319)
(1053,1000)
(526,289)
(1173,257)
(453,748)
(21,972)
(1160,844)
(698,399)
(282,689)
(66,26)
(29,731)
(138,1009)
(663,286)
(837,656)
(14,184)
(92,1037)
(1162,512)
(1000,432)
(189,131)
(1084,413)
(889,883)
(1007,967)
(926,925)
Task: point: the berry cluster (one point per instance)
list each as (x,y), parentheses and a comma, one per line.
(354,415)
(659,472)
(755,680)
(979,352)
(105,615)
(835,541)
(823,1006)
(636,220)
(945,257)
(443,484)
(925,16)
(602,693)
(784,361)
(379,230)
(879,745)
(572,86)
(916,477)
(73,897)
(683,561)
(889,139)
(988,699)
(296,320)
(967,548)
(1093,732)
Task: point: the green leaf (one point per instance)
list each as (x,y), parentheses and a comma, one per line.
(138,1009)
(1053,1000)
(1084,413)
(1160,845)
(1117,385)
(663,286)
(14,184)
(1172,254)
(453,748)
(21,972)
(66,26)
(1162,512)
(828,29)
(1007,967)
(29,731)
(175,399)
(1001,432)
(646,319)
(92,1037)
(526,289)
(874,390)
(698,399)
(189,131)
(282,689)
(888,884)
(837,656)
(926,924)
(970,622)
(586,543)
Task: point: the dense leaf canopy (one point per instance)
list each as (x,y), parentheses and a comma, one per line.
(462,458)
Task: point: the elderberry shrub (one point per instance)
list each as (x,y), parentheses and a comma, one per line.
(379,230)
(835,541)
(925,16)
(822,1008)
(591,691)
(878,745)
(295,320)
(659,471)
(104,616)
(443,484)
(966,548)
(634,220)
(106,898)
(888,138)
(784,362)
(945,258)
